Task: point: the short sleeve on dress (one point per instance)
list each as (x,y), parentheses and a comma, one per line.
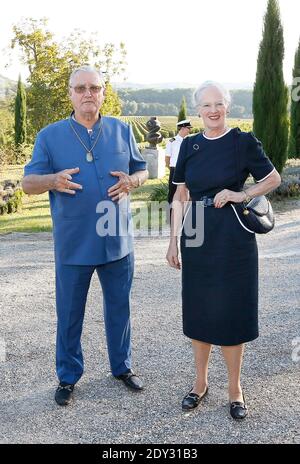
(257,162)
(179,174)
(40,162)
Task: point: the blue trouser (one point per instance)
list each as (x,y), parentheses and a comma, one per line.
(72,285)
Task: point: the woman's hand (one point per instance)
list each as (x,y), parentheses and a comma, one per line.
(225,196)
(172,255)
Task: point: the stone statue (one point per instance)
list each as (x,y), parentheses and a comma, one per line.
(154,137)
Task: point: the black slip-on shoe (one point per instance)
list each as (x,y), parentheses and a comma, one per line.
(131,380)
(238,409)
(64,393)
(192,400)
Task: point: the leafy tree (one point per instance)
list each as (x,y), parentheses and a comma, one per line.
(50,64)
(182,115)
(112,103)
(20,114)
(270,95)
(129,108)
(6,122)
(294,141)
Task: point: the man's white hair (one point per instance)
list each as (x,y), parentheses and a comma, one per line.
(197,96)
(87,68)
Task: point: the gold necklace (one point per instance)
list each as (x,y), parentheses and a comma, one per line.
(89,155)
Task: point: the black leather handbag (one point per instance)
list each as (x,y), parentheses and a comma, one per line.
(257,215)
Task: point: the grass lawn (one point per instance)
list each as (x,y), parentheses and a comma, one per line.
(35,213)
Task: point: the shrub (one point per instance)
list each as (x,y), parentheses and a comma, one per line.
(10,197)
(9,154)
(165,133)
(160,192)
(289,188)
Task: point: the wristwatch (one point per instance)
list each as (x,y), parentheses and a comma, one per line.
(247,197)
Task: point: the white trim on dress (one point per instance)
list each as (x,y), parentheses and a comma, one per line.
(215,138)
(185,215)
(248,230)
(266,176)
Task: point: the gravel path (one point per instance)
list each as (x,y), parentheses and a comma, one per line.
(104,411)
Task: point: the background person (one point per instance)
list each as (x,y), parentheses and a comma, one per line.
(172,151)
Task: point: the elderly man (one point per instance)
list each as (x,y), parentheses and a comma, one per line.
(89,163)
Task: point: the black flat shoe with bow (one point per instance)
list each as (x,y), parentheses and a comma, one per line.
(192,400)
(238,409)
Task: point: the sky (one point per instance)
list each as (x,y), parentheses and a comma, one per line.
(166,40)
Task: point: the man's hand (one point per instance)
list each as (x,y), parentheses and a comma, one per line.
(125,184)
(62,181)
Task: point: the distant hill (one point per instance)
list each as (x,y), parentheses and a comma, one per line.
(8,87)
(178,85)
(163,102)
(157,86)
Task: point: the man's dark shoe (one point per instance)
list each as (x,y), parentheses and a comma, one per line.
(131,380)
(64,394)
(192,400)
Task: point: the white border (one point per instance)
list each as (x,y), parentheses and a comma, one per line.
(215,138)
(248,230)
(266,176)
(185,215)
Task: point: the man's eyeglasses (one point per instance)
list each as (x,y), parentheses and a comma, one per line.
(81,89)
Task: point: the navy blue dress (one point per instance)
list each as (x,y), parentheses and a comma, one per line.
(220,277)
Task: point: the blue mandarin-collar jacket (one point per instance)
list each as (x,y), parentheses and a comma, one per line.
(76,238)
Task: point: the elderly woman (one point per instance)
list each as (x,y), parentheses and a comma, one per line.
(220,277)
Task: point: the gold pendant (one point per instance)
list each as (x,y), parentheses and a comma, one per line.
(89,157)
(245,212)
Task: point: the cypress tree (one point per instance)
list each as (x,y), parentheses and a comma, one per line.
(294,142)
(112,103)
(270,94)
(20,114)
(182,111)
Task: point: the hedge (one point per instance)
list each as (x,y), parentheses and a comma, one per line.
(10,197)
